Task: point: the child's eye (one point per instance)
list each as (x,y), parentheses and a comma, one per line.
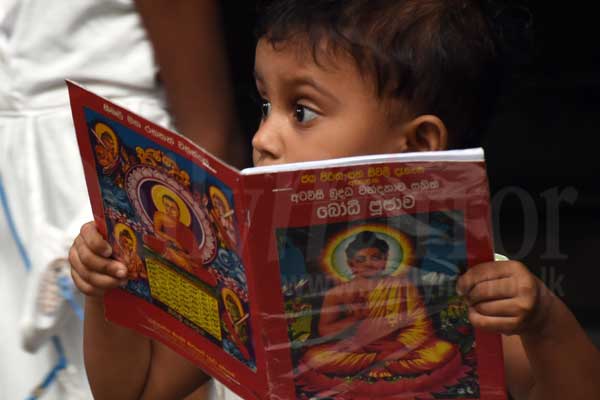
(304,114)
(265,108)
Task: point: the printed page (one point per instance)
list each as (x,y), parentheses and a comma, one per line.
(467,155)
(170,210)
(360,259)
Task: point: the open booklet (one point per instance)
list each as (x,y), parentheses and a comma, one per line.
(320,280)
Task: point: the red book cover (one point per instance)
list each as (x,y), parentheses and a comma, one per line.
(319,280)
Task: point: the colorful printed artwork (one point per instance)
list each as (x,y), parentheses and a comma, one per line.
(372,310)
(176,232)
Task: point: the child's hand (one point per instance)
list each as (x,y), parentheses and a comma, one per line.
(91,268)
(504,297)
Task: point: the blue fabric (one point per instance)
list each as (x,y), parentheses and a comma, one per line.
(12,227)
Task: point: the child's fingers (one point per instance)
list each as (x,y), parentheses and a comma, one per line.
(482,272)
(97,275)
(85,256)
(504,325)
(94,240)
(116,269)
(85,287)
(91,261)
(500,308)
(496,289)
(95,285)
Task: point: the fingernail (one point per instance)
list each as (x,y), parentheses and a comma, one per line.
(107,252)
(459,292)
(121,273)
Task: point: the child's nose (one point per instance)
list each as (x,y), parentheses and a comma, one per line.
(267,144)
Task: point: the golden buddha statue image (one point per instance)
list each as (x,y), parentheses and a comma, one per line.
(107,149)
(222,215)
(173,237)
(125,250)
(235,320)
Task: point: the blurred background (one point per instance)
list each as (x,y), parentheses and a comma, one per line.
(540,148)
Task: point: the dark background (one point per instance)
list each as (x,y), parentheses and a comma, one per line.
(540,147)
(542,144)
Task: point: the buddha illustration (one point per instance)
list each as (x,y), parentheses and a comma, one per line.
(125,250)
(102,155)
(222,214)
(375,326)
(107,149)
(235,320)
(174,238)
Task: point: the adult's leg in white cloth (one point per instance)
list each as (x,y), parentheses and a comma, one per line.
(46,201)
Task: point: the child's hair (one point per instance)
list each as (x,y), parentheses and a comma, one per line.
(366,240)
(438,56)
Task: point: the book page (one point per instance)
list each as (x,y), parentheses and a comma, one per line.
(170,212)
(365,253)
(467,155)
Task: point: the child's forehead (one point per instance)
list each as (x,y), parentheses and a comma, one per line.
(303,54)
(296,61)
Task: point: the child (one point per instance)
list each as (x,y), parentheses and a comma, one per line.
(351,77)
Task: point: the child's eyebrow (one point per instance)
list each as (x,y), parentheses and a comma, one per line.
(300,81)
(309,81)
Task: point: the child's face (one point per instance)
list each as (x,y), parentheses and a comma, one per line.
(314,112)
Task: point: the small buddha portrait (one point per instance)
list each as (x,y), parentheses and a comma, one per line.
(125,250)
(174,238)
(374,325)
(107,149)
(222,214)
(235,320)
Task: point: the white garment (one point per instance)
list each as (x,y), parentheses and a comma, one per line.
(47,199)
(215,390)
(101,44)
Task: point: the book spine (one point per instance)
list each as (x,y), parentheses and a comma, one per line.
(261,254)
(246,210)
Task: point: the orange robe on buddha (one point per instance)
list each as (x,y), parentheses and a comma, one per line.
(395,338)
(183,253)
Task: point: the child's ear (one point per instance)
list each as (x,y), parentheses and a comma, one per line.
(424,133)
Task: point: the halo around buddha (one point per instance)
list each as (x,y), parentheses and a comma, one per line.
(400,254)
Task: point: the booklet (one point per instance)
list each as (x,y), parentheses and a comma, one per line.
(330,279)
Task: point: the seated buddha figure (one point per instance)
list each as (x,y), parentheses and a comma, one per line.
(102,155)
(175,241)
(125,251)
(375,325)
(107,149)
(222,215)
